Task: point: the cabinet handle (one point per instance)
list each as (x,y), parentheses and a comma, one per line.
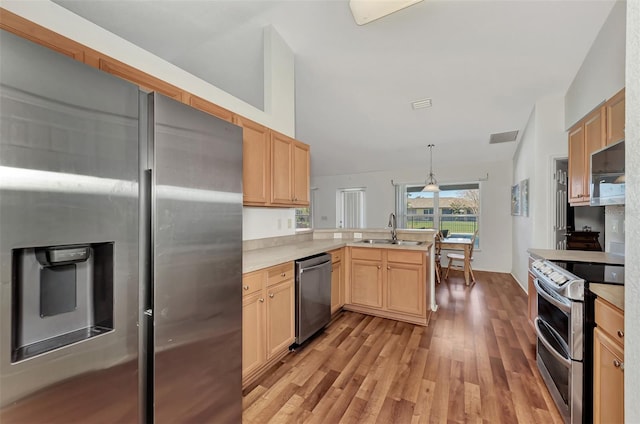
(245,287)
(388,267)
(618,364)
(271,295)
(379,267)
(620,333)
(261,300)
(283,274)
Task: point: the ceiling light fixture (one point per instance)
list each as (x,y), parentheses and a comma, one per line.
(365,11)
(432,183)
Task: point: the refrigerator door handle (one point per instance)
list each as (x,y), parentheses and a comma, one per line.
(146,335)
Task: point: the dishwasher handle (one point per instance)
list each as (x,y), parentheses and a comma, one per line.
(314,267)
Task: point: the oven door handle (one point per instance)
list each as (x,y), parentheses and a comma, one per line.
(566,307)
(564,361)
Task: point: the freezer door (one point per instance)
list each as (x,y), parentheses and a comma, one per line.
(68,183)
(197,264)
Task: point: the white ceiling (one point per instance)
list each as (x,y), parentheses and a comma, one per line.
(484,64)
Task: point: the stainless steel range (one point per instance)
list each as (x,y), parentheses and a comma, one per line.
(560,330)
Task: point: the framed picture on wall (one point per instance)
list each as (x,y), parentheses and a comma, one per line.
(524,197)
(515,200)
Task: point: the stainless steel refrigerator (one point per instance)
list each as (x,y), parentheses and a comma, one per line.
(120,249)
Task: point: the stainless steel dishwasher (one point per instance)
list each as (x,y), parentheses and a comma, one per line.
(313,295)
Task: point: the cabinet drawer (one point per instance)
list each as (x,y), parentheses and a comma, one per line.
(280,273)
(252,282)
(336,255)
(405,256)
(610,320)
(366,253)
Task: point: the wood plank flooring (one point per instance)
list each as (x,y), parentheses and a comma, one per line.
(475,362)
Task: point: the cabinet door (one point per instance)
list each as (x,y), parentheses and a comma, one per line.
(280,317)
(533,299)
(282,169)
(253,342)
(337,287)
(301,159)
(405,288)
(366,283)
(577,188)
(142,79)
(608,379)
(256,173)
(594,139)
(615,112)
(210,108)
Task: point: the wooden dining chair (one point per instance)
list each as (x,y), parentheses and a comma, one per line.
(437,239)
(456,260)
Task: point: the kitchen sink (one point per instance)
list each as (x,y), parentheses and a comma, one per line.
(377,241)
(389,241)
(408,242)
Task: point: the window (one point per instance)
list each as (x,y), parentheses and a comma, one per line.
(455,209)
(304,216)
(350,208)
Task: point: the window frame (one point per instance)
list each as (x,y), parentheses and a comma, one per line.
(437,216)
(340,206)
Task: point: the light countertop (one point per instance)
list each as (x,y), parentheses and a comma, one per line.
(253,260)
(613,294)
(577,256)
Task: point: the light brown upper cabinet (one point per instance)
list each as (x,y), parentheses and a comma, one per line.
(600,128)
(614,109)
(210,108)
(256,166)
(136,76)
(301,158)
(585,137)
(289,171)
(18,25)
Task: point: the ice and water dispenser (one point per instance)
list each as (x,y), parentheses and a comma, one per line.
(61,295)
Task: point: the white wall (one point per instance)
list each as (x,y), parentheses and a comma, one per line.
(542,141)
(495,231)
(279,97)
(632,212)
(267,222)
(279,63)
(602,72)
(524,167)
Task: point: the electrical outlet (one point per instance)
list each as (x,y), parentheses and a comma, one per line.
(357,235)
(289,223)
(337,235)
(279,224)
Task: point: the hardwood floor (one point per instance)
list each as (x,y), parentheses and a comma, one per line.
(475,362)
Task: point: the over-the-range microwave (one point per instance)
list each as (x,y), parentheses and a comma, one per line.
(607,175)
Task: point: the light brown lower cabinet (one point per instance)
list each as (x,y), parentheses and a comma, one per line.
(337,280)
(608,364)
(268,318)
(391,283)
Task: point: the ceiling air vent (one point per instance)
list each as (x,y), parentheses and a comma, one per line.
(421,104)
(503,137)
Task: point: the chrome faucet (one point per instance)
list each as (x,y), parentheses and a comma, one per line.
(393,224)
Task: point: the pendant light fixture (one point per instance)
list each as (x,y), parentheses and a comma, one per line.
(432,183)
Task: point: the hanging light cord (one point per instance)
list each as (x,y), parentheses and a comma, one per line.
(432,179)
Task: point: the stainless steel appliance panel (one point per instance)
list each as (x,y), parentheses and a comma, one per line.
(197,231)
(68,175)
(313,295)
